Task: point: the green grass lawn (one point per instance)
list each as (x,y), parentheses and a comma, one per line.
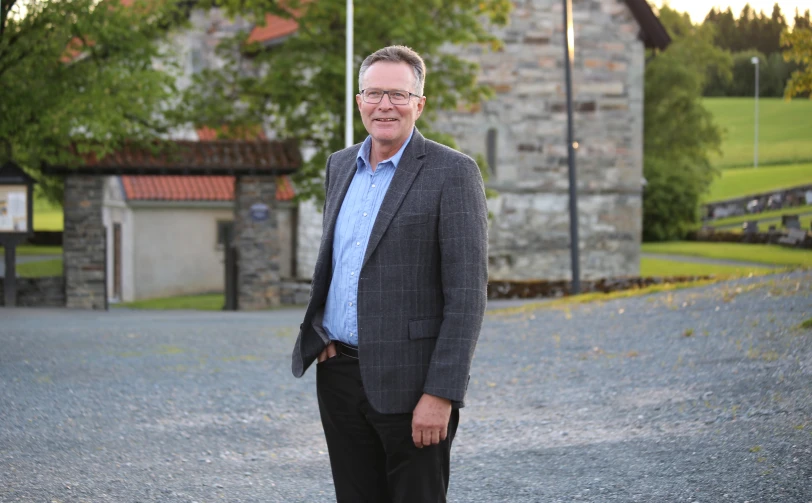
(654,267)
(47,216)
(40,269)
(206,302)
(34,250)
(764,215)
(743,181)
(785,130)
(49,220)
(765,254)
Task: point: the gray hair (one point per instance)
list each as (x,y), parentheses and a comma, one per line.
(397,54)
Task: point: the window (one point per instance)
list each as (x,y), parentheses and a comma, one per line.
(490,150)
(196,61)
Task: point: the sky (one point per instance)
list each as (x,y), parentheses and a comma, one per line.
(697,9)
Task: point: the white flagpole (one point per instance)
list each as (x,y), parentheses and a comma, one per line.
(349,101)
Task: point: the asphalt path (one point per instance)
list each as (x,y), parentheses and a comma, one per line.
(24,259)
(706,260)
(697,395)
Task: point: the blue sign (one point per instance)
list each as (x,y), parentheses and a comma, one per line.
(259,212)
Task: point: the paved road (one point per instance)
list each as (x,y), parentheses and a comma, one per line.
(700,395)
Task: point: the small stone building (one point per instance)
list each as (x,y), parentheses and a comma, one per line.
(115,248)
(167,234)
(522,135)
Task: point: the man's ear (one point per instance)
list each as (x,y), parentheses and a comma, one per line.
(358,101)
(420,105)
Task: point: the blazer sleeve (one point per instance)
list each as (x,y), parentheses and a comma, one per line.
(463,241)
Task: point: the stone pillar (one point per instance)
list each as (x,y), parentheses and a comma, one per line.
(256,235)
(83,243)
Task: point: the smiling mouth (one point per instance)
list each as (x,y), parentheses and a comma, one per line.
(385,120)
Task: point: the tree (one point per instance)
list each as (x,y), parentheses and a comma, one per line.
(679,132)
(78,77)
(752,34)
(744,74)
(298,85)
(776,73)
(776,25)
(799,49)
(802,22)
(726,34)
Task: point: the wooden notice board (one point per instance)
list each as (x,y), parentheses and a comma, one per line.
(14,208)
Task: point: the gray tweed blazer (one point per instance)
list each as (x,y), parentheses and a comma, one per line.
(422,287)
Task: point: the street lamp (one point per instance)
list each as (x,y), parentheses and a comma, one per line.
(569,56)
(754,60)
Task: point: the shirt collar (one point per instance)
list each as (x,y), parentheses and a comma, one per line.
(362,160)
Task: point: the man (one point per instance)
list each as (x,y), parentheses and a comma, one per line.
(398,294)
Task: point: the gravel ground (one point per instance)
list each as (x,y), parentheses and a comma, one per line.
(701,395)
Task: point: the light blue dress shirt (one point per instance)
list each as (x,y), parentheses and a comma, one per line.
(353,228)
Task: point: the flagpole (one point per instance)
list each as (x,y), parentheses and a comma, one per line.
(348,102)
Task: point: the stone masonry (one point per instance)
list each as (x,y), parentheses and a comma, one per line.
(38,292)
(83,242)
(258,243)
(529,233)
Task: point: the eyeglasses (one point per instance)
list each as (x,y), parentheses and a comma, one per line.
(396,97)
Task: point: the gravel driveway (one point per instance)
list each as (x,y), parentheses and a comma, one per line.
(700,395)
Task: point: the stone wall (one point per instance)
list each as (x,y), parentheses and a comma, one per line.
(795,196)
(84,243)
(530,227)
(37,292)
(258,243)
(295,293)
(529,236)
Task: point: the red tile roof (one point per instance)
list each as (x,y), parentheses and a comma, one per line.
(195,188)
(206,133)
(191,188)
(275,27)
(219,157)
(178,188)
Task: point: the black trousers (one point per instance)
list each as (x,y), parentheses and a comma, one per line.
(372,455)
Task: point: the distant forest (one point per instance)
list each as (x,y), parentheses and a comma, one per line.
(751,34)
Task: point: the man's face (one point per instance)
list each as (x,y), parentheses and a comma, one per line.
(388,124)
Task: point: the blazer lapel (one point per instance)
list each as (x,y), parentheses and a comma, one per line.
(407,170)
(343,178)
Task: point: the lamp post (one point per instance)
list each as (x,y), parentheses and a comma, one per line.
(754,60)
(348,101)
(569,54)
